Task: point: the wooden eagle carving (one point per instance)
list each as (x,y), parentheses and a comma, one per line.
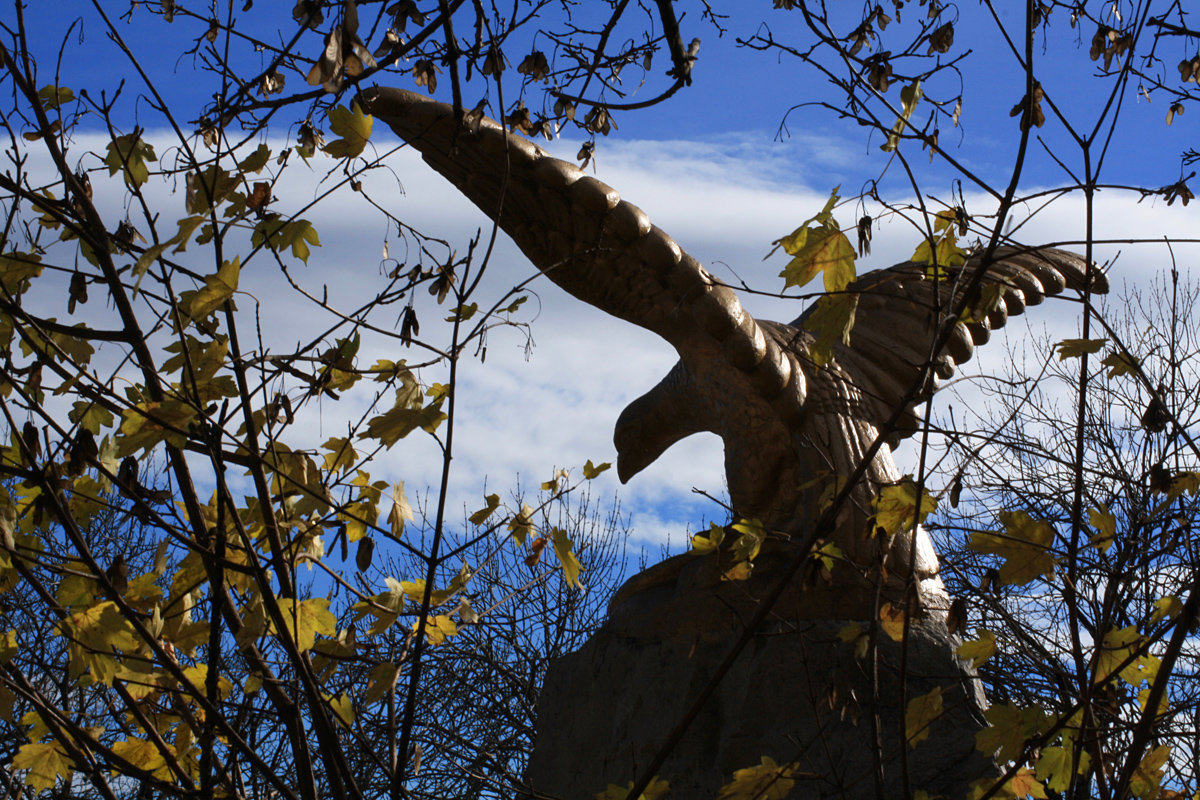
(785,421)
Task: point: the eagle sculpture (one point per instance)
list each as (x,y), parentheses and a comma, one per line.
(788,425)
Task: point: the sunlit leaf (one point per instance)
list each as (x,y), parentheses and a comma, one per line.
(128,155)
(353,126)
(45,764)
(1024,545)
(480,516)
(217,289)
(1074,348)
(979,650)
(307,619)
(891,620)
(564,550)
(897,508)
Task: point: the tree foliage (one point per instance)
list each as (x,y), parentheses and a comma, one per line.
(181,615)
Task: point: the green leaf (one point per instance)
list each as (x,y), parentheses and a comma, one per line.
(380,680)
(128,155)
(53,96)
(830,321)
(256,160)
(353,126)
(920,714)
(1074,348)
(297,234)
(217,289)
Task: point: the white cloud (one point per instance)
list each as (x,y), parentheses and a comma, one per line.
(520,414)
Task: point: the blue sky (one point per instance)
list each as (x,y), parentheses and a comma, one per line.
(711,167)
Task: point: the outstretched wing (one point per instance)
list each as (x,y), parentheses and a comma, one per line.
(902,313)
(585,238)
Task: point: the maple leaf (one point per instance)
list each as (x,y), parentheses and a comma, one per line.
(217,289)
(891,619)
(563,548)
(128,155)
(45,764)
(1074,348)
(766,781)
(830,321)
(979,650)
(897,508)
(305,620)
(353,126)
(920,714)
(480,516)
(1024,546)
(401,510)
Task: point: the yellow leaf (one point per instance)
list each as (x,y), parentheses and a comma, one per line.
(979,650)
(591,470)
(1054,767)
(891,619)
(563,548)
(703,545)
(45,762)
(1149,772)
(1025,784)
(824,250)
(438,629)
(897,509)
(305,620)
(217,289)
(830,320)
(353,126)
(480,516)
(920,714)
(144,756)
(522,525)
(1024,546)
(1164,608)
(53,96)
(340,454)
(380,681)
(401,510)
(1120,363)
(766,781)
(1074,348)
(342,708)
(909,97)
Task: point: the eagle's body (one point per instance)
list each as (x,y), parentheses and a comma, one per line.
(789,426)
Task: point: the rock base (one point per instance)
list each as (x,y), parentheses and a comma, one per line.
(797,693)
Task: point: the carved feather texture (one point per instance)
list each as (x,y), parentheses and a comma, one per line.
(782,418)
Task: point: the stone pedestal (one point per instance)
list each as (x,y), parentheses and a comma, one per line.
(797,694)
